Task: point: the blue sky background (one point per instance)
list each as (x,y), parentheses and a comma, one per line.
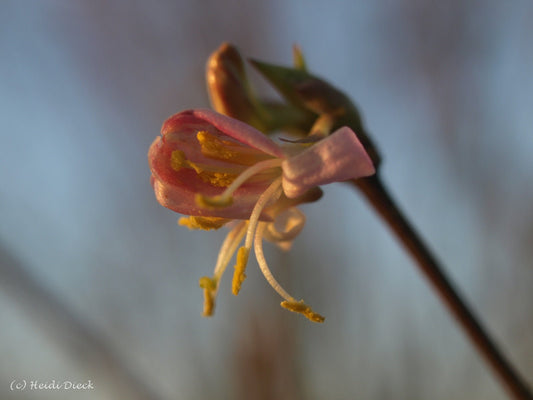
(98,281)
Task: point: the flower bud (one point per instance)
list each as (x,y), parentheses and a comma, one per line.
(298,58)
(229,89)
(307,92)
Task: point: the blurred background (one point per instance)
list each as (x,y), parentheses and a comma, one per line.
(97,281)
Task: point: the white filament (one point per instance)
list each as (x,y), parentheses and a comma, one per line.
(258,248)
(248,173)
(228,248)
(272,192)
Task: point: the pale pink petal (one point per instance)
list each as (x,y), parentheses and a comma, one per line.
(177,189)
(180,198)
(226,126)
(339,157)
(285,227)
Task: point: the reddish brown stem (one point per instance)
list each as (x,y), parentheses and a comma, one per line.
(385,206)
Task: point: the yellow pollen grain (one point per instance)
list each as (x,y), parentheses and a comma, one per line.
(212,146)
(209,285)
(215,178)
(302,308)
(178,160)
(239,276)
(205,223)
(206,282)
(212,202)
(219,179)
(209,303)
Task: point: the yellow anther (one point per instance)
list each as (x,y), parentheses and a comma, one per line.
(178,160)
(219,179)
(205,223)
(209,303)
(209,285)
(239,276)
(302,308)
(216,178)
(212,202)
(214,147)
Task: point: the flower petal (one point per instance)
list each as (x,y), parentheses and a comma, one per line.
(181,169)
(285,227)
(176,190)
(339,157)
(181,199)
(226,126)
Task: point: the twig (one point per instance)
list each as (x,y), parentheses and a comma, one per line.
(385,206)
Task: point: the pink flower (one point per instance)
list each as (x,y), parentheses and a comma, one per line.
(217,169)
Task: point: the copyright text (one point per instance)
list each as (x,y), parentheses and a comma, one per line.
(23,384)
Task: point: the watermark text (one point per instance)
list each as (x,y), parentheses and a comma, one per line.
(35,384)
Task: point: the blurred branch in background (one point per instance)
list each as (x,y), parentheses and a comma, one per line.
(267,359)
(69,330)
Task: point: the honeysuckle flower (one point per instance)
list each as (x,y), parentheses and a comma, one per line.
(216,169)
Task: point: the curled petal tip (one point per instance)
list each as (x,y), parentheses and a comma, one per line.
(339,157)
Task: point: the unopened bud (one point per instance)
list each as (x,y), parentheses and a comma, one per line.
(298,58)
(307,92)
(228,86)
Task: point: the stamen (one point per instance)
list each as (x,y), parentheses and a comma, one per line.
(207,283)
(273,191)
(221,177)
(228,248)
(217,148)
(302,308)
(205,223)
(209,303)
(214,147)
(258,248)
(178,160)
(212,202)
(210,285)
(290,302)
(239,276)
(225,199)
